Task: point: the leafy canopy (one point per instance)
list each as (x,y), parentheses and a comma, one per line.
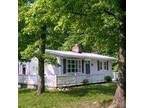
(93,23)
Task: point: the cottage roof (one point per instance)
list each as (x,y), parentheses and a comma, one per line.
(77,55)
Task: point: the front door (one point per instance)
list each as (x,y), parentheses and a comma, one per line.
(87,67)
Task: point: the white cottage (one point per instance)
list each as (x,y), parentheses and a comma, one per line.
(74,68)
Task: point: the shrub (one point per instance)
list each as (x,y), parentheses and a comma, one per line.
(108,79)
(85,81)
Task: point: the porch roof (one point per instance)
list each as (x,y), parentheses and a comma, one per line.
(77,55)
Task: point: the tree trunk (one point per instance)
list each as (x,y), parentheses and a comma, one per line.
(41,80)
(120,94)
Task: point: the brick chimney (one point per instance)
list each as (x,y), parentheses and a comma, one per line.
(76,48)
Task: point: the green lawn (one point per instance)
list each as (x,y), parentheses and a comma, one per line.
(89,96)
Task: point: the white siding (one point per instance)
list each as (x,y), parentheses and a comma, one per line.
(32,70)
(93,67)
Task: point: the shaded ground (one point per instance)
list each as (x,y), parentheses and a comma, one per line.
(89,96)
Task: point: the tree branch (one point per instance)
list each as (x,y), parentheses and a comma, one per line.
(105,10)
(77,13)
(112,14)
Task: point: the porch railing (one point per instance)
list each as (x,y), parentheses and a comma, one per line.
(79,79)
(65,80)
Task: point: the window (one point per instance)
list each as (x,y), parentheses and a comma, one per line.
(106,65)
(23,69)
(99,65)
(73,65)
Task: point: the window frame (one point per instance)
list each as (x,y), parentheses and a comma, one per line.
(99,65)
(106,65)
(73,65)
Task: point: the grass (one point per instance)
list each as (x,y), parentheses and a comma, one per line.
(89,96)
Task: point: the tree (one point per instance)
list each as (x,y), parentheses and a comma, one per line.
(120,95)
(90,25)
(35,25)
(36,29)
(41,81)
(109,17)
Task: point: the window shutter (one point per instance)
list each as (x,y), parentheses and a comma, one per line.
(82,66)
(107,65)
(64,65)
(101,65)
(98,65)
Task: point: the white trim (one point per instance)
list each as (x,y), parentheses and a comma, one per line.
(77,55)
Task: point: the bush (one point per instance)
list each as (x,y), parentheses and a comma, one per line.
(85,81)
(108,79)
